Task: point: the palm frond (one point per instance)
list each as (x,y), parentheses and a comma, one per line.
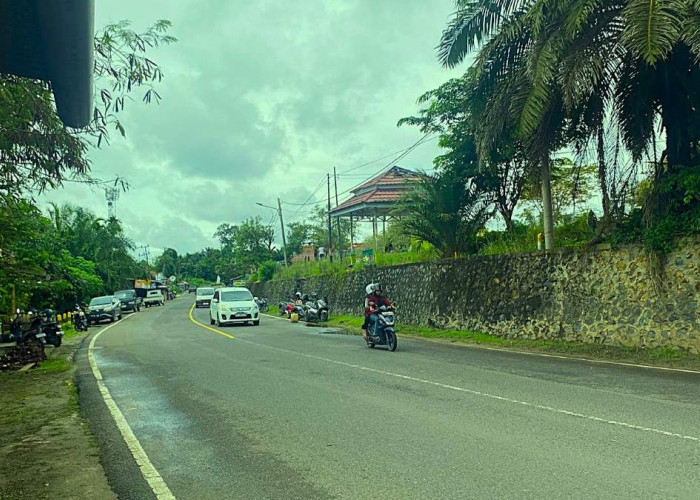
(652,27)
(473,23)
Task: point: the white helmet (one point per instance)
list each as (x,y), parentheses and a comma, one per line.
(372,287)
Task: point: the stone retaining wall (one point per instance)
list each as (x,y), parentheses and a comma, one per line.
(606,296)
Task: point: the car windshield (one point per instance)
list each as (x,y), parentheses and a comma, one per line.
(236,296)
(205,291)
(100,301)
(125,294)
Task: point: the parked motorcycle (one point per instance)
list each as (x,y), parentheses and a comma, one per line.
(262,304)
(286,306)
(79,319)
(33,334)
(316,310)
(51,328)
(382,332)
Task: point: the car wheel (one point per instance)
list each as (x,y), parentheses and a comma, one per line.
(113,318)
(217,322)
(256,323)
(211,320)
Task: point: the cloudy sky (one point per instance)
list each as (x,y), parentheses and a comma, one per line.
(260,100)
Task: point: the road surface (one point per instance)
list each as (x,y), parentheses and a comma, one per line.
(288,411)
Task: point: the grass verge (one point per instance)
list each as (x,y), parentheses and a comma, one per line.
(666,357)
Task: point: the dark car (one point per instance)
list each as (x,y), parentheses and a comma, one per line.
(104,308)
(130,301)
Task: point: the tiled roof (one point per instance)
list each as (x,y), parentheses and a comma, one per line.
(392,177)
(375,196)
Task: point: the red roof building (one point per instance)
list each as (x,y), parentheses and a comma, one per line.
(378,196)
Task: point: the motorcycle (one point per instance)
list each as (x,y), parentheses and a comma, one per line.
(316,310)
(286,306)
(51,328)
(32,335)
(262,304)
(382,332)
(79,319)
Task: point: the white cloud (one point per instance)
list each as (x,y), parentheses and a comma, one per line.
(261,99)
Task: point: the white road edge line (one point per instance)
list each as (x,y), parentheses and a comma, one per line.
(149,472)
(484,394)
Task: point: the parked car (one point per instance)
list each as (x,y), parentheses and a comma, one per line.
(233,305)
(107,307)
(154,298)
(203,297)
(130,301)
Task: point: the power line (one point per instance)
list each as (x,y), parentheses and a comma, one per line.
(383,157)
(403,154)
(320,184)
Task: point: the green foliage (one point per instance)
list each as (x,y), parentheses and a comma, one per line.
(522,238)
(573,186)
(561,72)
(244,247)
(59,260)
(681,195)
(168,263)
(501,173)
(36,151)
(445,210)
(266,270)
(200,266)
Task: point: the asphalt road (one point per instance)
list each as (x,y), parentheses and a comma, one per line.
(288,411)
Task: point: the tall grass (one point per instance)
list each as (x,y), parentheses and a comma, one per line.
(354,263)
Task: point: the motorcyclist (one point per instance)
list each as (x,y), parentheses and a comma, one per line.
(297,299)
(373,301)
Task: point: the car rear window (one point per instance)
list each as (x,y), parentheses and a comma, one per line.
(100,301)
(205,291)
(236,295)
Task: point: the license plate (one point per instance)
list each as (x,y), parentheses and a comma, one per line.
(241,315)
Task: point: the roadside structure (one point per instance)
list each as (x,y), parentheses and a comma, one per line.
(375,200)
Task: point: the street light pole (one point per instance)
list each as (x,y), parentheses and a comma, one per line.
(284,238)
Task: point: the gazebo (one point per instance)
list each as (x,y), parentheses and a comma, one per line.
(376,198)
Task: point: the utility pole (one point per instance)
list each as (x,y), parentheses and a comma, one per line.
(337,219)
(144,248)
(284,238)
(330,229)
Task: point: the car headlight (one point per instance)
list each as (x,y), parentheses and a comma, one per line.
(224,308)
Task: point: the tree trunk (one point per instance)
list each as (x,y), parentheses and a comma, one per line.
(602,174)
(507,217)
(547,205)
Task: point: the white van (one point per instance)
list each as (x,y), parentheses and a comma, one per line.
(233,305)
(203,296)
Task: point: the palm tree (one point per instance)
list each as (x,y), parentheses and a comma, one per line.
(446,211)
(557,68)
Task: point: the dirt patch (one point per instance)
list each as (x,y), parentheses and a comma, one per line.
(46,449)
(20,356)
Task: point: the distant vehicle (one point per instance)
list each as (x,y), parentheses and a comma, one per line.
(233,305)
(107,307)
(203,297)
(130,301)
(192,289)
(154,298)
